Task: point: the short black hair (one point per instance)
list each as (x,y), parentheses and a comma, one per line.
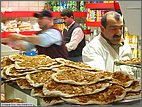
(43,13)
(116,15)
(67,12)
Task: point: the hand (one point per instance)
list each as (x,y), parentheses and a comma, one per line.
(15,36)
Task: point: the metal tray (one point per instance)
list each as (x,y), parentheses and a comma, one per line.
(128,102)
(132,65)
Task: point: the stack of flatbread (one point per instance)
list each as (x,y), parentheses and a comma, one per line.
(58,80)
(136,61)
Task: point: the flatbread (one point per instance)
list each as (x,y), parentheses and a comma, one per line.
(122,79)
(79,77)
(133,95)
(45,101)
(15,100)
(18,57)
(56,65)
(23,84)
(136,61)
(5,61)
(37,91)
(11,71)
(78,65)
(38,79)
(62,68)
(134,87)
(34,63)
(109,95)
(7,77)
(52,88)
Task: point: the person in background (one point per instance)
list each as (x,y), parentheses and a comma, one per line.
(108,46)
(48,41)
(74,36)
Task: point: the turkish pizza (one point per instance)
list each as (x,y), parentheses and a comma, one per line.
(18,57)
(15,100)
(52,88)
(37,91)
(38,79)
(5,61)
(55,65)
(111,94)
(121,78)
(136,61)
(78,65)
(134,87)
(11,71)
(79,77)
(23,83)
(8,77)
(45,101)
(133,95)
(34,63)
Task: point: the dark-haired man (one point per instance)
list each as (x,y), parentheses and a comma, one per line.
(48,41)
(108,46)
(74,36)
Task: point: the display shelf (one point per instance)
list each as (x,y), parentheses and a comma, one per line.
(93,24)
(114,5)
(87,31)
(106,6)
(6,34)
(99,5)
(31,14)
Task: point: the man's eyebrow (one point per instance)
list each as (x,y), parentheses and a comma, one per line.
(116,26)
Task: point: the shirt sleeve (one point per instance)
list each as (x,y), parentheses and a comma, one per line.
(50,37)
(76,38)
(29,45)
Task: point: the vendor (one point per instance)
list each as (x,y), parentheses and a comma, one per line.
(108,46)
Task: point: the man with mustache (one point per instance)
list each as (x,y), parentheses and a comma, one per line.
(108,46)
(74,36)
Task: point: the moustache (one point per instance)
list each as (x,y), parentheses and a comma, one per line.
(115,36)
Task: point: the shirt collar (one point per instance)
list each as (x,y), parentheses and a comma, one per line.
(69,25)
(120,43)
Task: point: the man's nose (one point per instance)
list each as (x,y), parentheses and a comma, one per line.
(119,31)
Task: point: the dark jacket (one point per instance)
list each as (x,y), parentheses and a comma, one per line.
(67,35)
(54,51)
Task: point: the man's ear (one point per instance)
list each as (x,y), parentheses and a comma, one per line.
(102,28)
(71,17)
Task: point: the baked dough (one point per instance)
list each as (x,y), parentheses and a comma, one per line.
(109,95)
(52,88)
(79,77)
(38,79)
(122,79)
(134,87)
(45,101)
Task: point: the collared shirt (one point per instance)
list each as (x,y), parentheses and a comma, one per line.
(115,46)
(48,38)
(76,38)
(99,54)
